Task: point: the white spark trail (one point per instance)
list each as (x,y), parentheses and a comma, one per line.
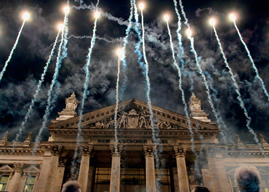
(54,80)
(85,93)
(239,97)
(116,109)
(28,114)
(252,62)
(182,91)
(154,133)
(125,40)
(11,53)
(200,71)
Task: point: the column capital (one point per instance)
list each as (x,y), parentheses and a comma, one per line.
(56,150)
(149,150)
(114,152)
(86,149)
(180,151)
(17,167)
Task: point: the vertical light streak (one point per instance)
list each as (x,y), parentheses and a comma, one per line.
(54,80)
(28,114)
(86,86)
(154,133)
(220,124)
(181,89)
(252,62)
(11,53)
(239,97)
(116,109)
(125,40)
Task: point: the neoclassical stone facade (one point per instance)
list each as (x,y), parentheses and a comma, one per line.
(170,163)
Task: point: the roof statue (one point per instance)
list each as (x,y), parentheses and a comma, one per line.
(196,111)
(69,111)
(239,143)
(3,141)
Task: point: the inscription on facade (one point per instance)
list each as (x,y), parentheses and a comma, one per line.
(132,141)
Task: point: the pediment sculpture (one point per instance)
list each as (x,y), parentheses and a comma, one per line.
(132,120)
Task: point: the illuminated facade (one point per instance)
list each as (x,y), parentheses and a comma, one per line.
(133,168)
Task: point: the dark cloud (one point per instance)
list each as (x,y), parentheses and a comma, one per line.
(23,73)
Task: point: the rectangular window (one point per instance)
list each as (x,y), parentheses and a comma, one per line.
(29,184)
(133,179)
(3,182)
(163,180)
(102,179)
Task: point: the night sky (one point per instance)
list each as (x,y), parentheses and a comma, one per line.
(26,66)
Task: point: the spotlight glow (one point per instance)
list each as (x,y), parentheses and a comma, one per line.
(166,17)
(61,27)
(189,33)
(212,22)
(97,14)
(66,9)
(141,6)
(119,52)
(26,16)
(232,17)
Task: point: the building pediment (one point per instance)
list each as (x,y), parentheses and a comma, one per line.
(6,169)
(132,114)
(31,169)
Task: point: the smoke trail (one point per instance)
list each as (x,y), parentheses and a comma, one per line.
(181,89)
(180,55)
(90,37)
(116,108)
(252,62)
(85,93)
(125,40)
(155,138)
(120,21)
(184,14)
(64,48)
(220,125)
(28,114)
(54,80)
(239,98)
(200,71)
(179,36)
(138,44)
(11,53)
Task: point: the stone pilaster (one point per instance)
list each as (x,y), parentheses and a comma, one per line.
(15,181)
(54,162)
(84,167)
(115,170)
(213,181)
(150,169)
(183,181)
(222,175)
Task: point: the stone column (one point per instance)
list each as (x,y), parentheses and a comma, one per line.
(15,181)
(44,172)
(150,169)
(115,170)
(183,181)
(84,167)
(54,162)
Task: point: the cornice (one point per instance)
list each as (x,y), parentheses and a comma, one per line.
(132,132)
